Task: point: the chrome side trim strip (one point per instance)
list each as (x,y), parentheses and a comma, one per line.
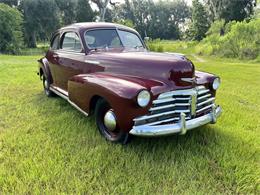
(92,62)
(78,108)
(60,52)
(60,92)
(64,94)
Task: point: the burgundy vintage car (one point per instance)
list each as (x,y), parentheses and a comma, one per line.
(106,69)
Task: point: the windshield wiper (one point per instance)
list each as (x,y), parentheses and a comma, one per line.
(99,48)
(95,49)
(138,47)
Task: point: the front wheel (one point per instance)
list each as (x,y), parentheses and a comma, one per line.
(107,124)
(46,87)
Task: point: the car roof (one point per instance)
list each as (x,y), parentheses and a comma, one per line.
(93,25)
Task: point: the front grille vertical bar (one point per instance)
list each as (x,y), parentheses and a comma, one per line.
(193,103)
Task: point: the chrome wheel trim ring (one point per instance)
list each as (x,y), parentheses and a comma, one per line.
(46,85)
(110,120)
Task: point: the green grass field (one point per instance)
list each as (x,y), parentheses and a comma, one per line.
(46,146)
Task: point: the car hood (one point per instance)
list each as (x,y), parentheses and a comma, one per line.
(168,68)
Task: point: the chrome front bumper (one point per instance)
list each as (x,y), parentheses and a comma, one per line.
(181,127)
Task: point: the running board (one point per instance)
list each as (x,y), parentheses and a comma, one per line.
(64,94)
(60,92)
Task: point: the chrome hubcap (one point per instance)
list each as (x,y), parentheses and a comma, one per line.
(110,120)
(46,84)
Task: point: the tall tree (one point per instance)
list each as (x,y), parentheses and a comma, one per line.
(11,39)
(12,3)
(41,18)
(84,12)
(142,11)
(67,10)
(128,11)
(200,21)
(157,19)
(103,8)
(123,11)
(230,9)
(257,11)
(167,18)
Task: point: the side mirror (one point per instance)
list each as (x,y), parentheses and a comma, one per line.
(146,39)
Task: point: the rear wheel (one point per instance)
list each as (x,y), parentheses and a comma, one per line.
(107,124)
(46,87)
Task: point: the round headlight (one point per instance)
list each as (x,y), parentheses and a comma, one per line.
(143,98)
(216,83)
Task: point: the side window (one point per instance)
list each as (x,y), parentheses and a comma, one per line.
(71,42)
(55,42)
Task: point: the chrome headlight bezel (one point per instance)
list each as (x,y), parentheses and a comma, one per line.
(143,98)
(216,83)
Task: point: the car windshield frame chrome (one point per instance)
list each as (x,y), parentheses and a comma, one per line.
(116,29)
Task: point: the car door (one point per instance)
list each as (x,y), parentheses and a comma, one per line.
(69,60)
(52,56)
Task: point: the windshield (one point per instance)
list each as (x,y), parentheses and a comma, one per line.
(112,38)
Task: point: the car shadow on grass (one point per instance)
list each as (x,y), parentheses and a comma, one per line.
(195,141)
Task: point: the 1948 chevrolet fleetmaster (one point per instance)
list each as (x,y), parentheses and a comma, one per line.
(106,69)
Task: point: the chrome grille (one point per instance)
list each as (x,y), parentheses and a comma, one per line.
(168,106)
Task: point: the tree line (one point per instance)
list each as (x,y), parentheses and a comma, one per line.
(24,22)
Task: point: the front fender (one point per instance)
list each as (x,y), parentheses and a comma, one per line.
(119,91)
(206,79)
(44,68)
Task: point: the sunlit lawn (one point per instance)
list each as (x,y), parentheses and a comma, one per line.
(46,146)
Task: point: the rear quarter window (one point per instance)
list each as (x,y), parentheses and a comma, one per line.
(55,42)
(71,42)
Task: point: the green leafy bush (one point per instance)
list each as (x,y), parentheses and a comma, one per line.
(171,46)
(11,37)
(235,39)
(153,45)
